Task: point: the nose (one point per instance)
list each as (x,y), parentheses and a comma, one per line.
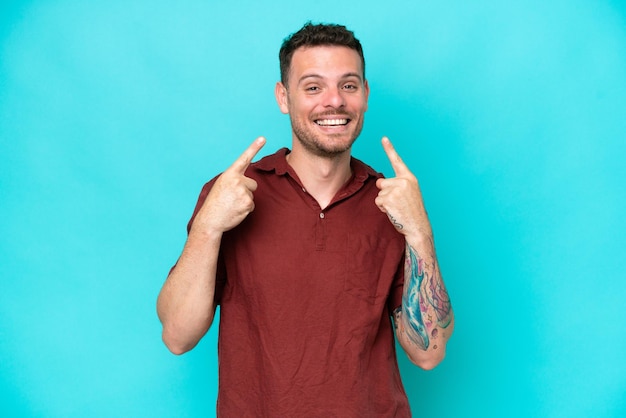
(333,97)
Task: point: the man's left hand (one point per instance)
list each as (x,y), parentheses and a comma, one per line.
(401,199)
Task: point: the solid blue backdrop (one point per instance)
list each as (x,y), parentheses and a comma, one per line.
(511,113)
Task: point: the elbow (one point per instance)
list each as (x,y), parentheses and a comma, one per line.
(427,360)
(175,345)
(427,363)
(179,339)
(171,338)
(176,349)
(181,334)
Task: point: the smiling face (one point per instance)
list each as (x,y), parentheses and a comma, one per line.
(326,99)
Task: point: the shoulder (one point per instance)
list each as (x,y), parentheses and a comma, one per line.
(363,170)
(273,163)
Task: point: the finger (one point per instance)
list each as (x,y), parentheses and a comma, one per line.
(379,201)
(396,162)
(386,183)
(241,164)
(250,184)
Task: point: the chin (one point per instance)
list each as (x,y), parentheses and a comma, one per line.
(328,150)
(323,144)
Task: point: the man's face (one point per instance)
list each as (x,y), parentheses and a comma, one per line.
(326,98)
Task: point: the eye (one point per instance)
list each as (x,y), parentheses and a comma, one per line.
(350,87)
(312,89)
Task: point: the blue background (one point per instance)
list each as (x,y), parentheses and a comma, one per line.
(511,113)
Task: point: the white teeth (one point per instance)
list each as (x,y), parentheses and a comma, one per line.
(331,122)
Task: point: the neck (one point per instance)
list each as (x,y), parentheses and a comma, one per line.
(322,177)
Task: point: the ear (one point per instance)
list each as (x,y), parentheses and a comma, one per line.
(366,87)
(281,97)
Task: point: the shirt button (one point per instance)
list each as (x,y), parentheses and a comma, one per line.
(322,215)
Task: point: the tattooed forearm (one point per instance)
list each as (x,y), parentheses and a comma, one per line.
(412,303)
(426,306)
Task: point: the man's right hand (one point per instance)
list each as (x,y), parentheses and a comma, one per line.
(231,199)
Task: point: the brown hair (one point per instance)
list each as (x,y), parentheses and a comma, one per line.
(316,35)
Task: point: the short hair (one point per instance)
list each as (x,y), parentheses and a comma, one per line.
(316,35)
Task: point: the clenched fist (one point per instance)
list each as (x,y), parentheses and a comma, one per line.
(231,199)
(400,197)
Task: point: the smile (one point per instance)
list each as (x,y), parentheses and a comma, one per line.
(332,122)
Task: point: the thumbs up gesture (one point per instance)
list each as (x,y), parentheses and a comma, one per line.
(231,199)
(401,199)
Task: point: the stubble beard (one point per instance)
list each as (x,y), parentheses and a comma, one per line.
(316,144)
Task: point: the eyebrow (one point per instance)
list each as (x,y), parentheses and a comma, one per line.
(347,75)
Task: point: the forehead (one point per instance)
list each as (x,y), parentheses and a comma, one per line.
(325,61)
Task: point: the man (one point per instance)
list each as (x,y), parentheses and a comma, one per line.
(313,257)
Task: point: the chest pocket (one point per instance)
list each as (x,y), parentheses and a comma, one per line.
(372,263)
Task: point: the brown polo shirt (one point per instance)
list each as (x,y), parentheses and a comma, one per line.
(305,299)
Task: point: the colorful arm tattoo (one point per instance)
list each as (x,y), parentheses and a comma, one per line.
(423,295)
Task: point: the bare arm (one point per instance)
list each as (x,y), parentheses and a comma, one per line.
(425,320)
(186,305)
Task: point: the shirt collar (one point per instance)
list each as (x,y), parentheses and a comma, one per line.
(277,162)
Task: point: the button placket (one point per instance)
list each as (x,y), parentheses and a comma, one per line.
(320,232)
